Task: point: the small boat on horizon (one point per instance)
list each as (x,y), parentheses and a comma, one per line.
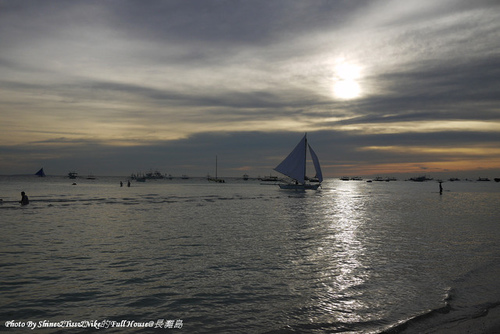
(72,175)
(40,173)
(156,175)
(421,179)
(270,178)
(138,177)
(216,179)
(384,179)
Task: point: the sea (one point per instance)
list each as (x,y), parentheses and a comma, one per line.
(192,256)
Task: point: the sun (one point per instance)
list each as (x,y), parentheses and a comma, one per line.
(346,89)
(346,84)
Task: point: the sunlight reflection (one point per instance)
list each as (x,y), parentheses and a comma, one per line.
(343,273)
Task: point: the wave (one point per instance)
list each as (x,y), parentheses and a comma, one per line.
(434,321)
(424,316)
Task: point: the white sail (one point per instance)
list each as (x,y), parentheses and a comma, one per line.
(317,167)
(294,165)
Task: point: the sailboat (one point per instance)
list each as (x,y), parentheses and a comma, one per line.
(294,166)
(40,173)
(216,179)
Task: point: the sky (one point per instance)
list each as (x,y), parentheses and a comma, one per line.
(113,87)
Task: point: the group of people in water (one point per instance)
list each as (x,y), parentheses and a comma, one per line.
(128,184)
(25,200)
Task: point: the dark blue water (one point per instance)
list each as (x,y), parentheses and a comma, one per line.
(241,257)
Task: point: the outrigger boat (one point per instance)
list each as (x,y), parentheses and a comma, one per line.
(294,166)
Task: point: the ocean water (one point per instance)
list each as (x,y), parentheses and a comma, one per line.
(197,257)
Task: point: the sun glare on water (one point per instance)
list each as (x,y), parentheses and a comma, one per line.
(346,85)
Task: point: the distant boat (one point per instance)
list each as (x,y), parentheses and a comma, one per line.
(420,179)
(497,179)
(156,175)
(345,178)
(139,177)
(483,179)
(270,178)
(245,177)
(90,177)
(72,175)
(216,179)
(184,177)
(294,166)
(40,173)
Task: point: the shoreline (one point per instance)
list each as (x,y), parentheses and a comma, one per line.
(487,323)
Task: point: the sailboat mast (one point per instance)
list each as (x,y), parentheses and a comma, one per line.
(216,167)
(305,156)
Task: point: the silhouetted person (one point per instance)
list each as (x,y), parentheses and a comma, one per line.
(440,188)
(128,183)
(24,199)
(121,184)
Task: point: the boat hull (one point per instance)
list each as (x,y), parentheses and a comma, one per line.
(292,186)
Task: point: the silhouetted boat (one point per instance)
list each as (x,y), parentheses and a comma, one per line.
(40,173)
(139,177)
(216,179)
(72,175)
(420,179)
(270,178)
(156,175)
(294,166)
